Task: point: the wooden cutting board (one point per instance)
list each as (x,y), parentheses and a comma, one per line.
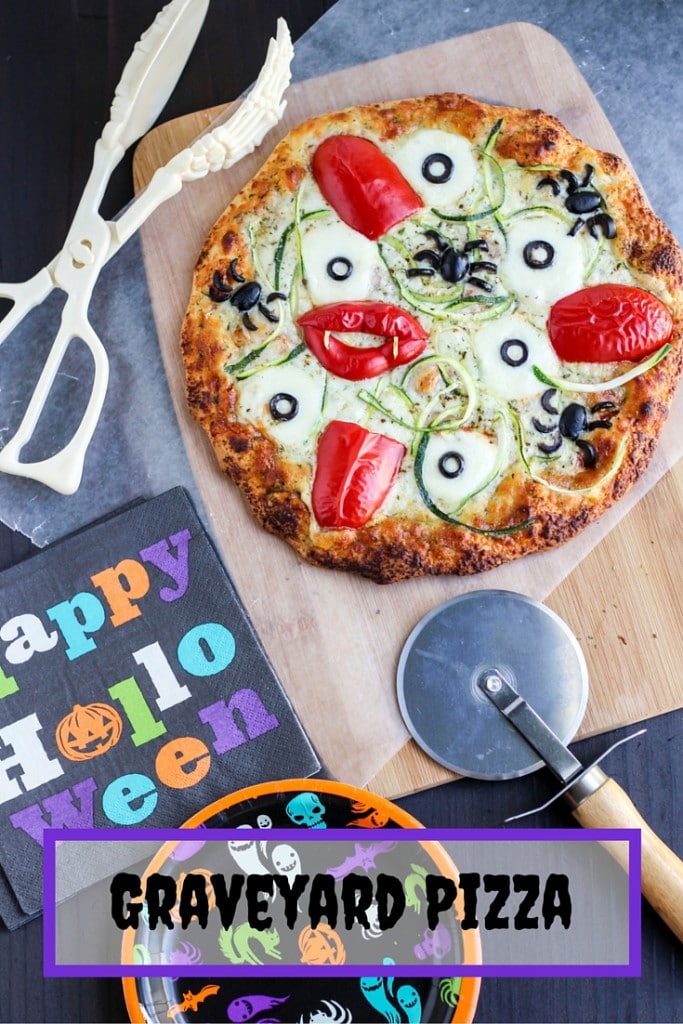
(328,634)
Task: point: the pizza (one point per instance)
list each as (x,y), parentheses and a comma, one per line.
(434,335)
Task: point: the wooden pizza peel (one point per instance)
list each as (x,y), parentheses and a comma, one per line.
(325,631)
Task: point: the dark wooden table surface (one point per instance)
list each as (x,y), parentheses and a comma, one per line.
(59,63)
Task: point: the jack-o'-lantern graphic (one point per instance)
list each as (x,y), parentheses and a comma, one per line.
(88,731)
(321,945)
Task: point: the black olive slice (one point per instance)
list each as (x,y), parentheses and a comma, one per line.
(599,425)
(588,173)
(276,295)
(550,183)
(264,311)
(217,294)
(439,239)
(340,268)
(428,256)
(588,453)
(547,401)
(248,322)
(602,406)
(476,243)
(548,449)
(453,265)
(576,227)
(246,296)
(234,274)
(604,222)
(219,290)
(437,168)
(479,282)
(420,272)
(451,464)
(543,428)
(538,254)
(583,202)
(283,407)
(571,179)
(220,283)
(484,265)
(573,420)
(514,352)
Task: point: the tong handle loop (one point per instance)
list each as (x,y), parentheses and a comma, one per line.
(25,295)
(661,870)
(62,471)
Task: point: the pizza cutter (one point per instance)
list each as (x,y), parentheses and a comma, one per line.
(493,685)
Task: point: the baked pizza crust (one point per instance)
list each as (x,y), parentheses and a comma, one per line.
(398,546)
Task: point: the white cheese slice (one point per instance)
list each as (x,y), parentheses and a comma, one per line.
(478,454)
(525,345)
(334,248)
(459,168)
(540,287)
(304,382)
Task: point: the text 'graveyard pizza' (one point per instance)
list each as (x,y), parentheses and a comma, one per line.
(434,335)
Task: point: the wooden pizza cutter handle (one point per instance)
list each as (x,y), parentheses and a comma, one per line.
(608,806)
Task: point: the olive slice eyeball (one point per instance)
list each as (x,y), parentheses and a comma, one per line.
(525,346)
(283,406)
(479,453)
(539,285)
(340,263)
(437,168)
(538,254)
(451,464)
(439,165)
(339,268)
(514,352)
(284,402)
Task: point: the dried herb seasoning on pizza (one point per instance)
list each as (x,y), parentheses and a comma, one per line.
(434,335)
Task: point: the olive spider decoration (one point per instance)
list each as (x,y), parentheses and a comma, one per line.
(454,265)
(573,421)
(243,295)
(580,199)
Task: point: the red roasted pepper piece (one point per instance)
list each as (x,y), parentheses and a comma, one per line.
(607,323)
(406,338)
(363,185)
(354,473)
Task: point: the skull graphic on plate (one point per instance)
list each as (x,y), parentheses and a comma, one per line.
(306,810)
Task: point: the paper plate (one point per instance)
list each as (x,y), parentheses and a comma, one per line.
(330,1000)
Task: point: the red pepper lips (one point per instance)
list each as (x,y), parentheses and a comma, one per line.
(406,338)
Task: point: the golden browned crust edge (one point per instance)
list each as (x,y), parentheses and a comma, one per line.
(387,550)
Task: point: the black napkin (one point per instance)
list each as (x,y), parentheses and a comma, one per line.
(133,688)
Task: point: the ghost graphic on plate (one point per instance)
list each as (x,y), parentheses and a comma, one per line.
(248,854)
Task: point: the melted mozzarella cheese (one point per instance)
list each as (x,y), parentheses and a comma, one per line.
(304,382)
(513,382)
(479,453)
(323,243)
(410,157)
(541,287)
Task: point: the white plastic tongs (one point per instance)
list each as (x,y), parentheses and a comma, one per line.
(146,83)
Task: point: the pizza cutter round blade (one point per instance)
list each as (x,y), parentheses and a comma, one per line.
(455,647)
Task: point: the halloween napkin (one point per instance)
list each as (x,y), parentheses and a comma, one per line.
(133,688)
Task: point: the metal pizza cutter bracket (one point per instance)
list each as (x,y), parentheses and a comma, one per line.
(493,685)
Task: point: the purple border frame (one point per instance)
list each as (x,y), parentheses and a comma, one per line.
(51,969)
